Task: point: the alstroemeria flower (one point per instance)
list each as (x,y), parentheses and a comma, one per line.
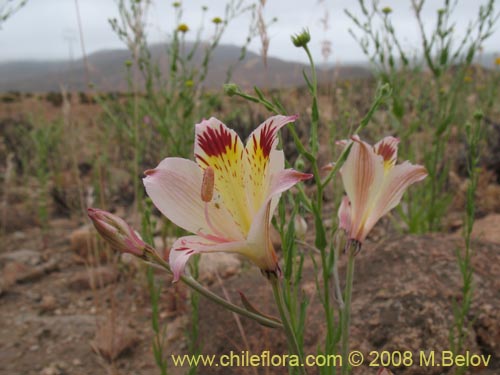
(227,196)
(374,184)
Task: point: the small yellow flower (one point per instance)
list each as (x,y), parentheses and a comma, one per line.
(217,20)
(183,28)
(189,83)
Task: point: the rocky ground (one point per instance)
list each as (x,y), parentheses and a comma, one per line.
(64,310)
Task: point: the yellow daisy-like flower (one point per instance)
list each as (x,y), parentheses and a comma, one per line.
(183,28)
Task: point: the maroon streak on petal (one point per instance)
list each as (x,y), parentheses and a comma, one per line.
(215,141)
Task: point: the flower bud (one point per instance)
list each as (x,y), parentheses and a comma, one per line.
(231,89)
(387,10)
(299,164)
(300,225)
(301,40)
(478,115)
(115,231)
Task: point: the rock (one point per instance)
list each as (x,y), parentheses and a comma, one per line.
(490,198)
(83,242)
(48,303)
(23,256)
(18,216)
(404,290)
(93,278)
(275,238)
(176,331)
(11,272)
(19,236)
(111,341)
(55,368)
(487,229)
(161,246)
(487,327)
(15,272)
(224,264)
(77,362)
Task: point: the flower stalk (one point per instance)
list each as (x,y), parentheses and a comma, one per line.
(153,257)
(287,326)
(345,317)
(123,238)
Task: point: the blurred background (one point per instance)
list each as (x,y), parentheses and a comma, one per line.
(43,45)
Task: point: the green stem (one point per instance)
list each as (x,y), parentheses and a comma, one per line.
(346,312)
(150,255)
(315,112)
(287,326)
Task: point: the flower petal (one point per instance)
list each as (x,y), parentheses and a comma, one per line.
(345,214)
(388,149)
(260,247)
(261,150)
(184,247)
(175,188)
(395,183)
(362,175)
(262,252)
(221,148)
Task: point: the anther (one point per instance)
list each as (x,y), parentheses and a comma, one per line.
(207,185)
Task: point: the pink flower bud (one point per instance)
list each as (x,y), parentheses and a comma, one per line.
(116,232)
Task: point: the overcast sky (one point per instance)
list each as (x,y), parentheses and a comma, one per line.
(47,29)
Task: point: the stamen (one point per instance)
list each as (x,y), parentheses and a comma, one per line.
(207,185)
(218,235)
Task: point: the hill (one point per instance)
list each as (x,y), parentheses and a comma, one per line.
(107,71)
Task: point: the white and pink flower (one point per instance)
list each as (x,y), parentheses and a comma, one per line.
(227,196)
(374,184)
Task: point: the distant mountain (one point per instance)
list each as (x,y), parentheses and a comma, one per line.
(108,72)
